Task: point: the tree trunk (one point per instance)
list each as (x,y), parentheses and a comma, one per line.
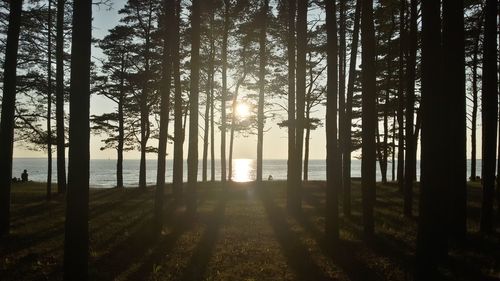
(212,100)
(262,82)
(489,115)
(169,17)
(342,87)
(306,146)
(121,133)
(410,161)
(401,94)
(49,102)
(224,92)
(301,95)
(348,115)
(178,114)
(433,208)
(61,156)
(76,239)
(475,63)
(456,127)
(369,118)
(206,131)
(291,162)
(333,173)
(7,114)
(193,108)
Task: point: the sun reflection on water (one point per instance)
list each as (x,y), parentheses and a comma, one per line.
(243,170)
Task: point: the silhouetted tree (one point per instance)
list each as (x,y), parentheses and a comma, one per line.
(433,208)
(333,170)
(193,108)
(76,238)
(489,104)
(369,117)
(8,112)
(61,155)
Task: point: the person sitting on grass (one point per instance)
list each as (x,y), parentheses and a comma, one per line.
(24,176)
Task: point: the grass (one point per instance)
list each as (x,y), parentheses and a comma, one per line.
(239,233)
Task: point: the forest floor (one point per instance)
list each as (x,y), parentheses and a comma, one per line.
(241,233)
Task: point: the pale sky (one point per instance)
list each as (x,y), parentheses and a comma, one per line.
(275,139)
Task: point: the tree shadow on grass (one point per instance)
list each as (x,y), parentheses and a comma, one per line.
(200,258)
(296,253)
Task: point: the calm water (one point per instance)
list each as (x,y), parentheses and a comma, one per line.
(103,172)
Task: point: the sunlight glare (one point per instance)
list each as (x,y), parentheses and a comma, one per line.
(243,170)
(242,110)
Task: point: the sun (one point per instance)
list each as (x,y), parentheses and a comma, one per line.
(242,110)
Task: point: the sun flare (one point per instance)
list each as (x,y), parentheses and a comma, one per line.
(242,110)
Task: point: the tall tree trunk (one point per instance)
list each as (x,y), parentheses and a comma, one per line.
(348,115)
(169,18)
(456,127)
(433,208)
(121,129)
(489,115)
(227,4)
(206,131)
(61,156)
(291,162)
(49,102)
(301,95)
(76,239)
(342,87)
(7,114)
(401,94)
(410,161)
(212,99)
(333,172)
(178,101)
(369,117)
(262,84)
(193,108)
(475,66)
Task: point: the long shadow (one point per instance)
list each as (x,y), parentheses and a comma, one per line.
(133,249)
(198,263)
(296,253)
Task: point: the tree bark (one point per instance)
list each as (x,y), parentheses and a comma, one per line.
(49,102)
(401,94)
(348,116)
(475,63)
(224,92)
(291,162)
(489,115)
(433,208)
(169,18)
(7,114)
(262,82)
(76,239)
(454,79)
(301,95)
(333,172)
(410,161)
(342,86)
(61,155)
(193,109)
(369,118)
(177,177)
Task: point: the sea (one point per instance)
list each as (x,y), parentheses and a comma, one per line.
(103,172)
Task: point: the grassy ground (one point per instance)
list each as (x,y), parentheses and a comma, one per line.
(242,233)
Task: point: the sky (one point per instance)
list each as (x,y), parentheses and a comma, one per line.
(275,138)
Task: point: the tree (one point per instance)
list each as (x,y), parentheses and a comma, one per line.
(369,117)
(489,117)
(300,97)
(333,170)
(401,93)
(291,165)
(262,84)
(454,79)
(61,155)
(193,108)
(167,29)
(8,112)
(76,239)
(49,101)
(410,139)
(348,116)
(177,171)
(433,208)
(223,126)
